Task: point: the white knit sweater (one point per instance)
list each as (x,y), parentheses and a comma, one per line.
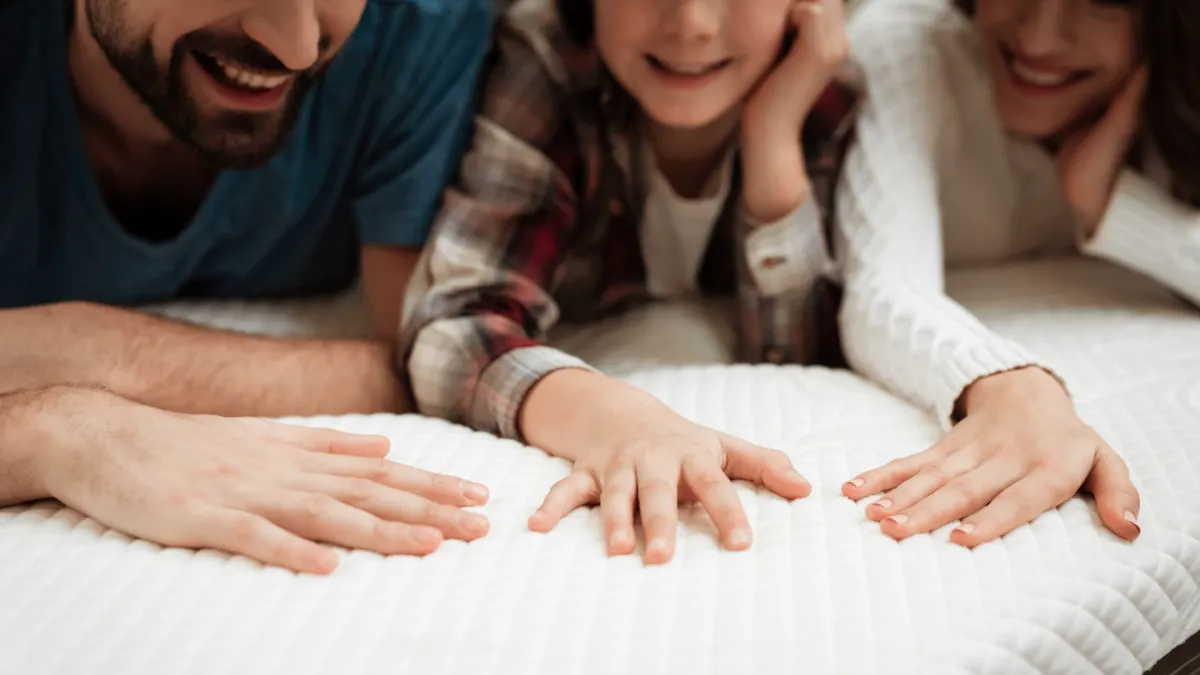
(933,182)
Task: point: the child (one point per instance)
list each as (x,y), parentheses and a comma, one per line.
(993,130)
(628,150)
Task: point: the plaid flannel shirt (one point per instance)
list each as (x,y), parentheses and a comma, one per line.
(541,225)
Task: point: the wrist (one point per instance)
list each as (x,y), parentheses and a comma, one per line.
(32,435)
(775,182)
(1022,386)
(569,410)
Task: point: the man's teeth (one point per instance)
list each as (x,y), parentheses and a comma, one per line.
(250,79)
(1040,78)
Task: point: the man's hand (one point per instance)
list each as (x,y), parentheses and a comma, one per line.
(631,450)
(776,181)
(1020,451)
(268,491)
(1090,161)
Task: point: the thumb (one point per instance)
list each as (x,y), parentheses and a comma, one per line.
(771,468)
(1117,499)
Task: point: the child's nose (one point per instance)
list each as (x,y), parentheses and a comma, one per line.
(695,20)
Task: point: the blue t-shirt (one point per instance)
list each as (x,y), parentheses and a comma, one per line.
(378,138)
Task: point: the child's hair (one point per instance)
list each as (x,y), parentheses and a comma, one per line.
(1172,109)
(578,19)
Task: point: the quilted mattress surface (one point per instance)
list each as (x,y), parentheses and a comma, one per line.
(822,591)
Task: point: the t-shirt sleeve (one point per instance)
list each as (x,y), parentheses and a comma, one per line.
(427,105)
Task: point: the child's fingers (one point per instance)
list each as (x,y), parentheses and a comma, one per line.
(616,509)
(658,502)
(715,492)
(576,490)
(1117,499)
(771,468)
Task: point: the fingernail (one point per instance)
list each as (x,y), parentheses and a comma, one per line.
(427,536)
(1129,516)
(966,528)
(473,523)
(898,519)
(857,482)
(658,548)
(618,540)
(739,538)
(884,504)
(476,493)
(794,475)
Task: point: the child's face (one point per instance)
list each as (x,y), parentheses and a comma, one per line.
(1056,63)
(690,62)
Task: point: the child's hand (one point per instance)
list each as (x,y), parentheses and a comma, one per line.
(776,182)
(1020,451)
(631,451)
(1090,161)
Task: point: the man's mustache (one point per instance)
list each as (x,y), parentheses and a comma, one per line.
(246,52)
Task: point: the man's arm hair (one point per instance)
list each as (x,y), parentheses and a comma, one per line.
(176,366)
(185,368)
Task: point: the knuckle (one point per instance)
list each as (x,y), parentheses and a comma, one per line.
(446,483)
(658,487)
(360,491)
(935,472)
(315,507)
(428,512)
(708,481)
(379,470)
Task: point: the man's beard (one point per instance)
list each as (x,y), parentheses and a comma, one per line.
(228,140)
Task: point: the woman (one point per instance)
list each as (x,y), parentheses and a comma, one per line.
(996,129)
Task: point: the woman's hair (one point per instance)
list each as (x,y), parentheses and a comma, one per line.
(1172,109)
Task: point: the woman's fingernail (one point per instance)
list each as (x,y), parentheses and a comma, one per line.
(884,504)
(739,538)
(1129,516)
(966,528)
(795,476)
(476,493)
(898,519)
(857,482)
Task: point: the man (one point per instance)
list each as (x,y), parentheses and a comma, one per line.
(159,149)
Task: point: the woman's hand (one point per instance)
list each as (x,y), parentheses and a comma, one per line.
(1020,451)
(1090,162)
(776,182)
(633,452)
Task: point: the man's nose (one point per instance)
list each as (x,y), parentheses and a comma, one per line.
(289,29)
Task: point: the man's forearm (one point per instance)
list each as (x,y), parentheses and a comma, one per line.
(175,366)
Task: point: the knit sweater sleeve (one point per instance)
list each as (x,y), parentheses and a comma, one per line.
(899,328)
(1148,231)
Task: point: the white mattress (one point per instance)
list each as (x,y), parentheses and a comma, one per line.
(822,591)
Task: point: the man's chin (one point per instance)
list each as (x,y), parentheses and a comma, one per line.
(242,149)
